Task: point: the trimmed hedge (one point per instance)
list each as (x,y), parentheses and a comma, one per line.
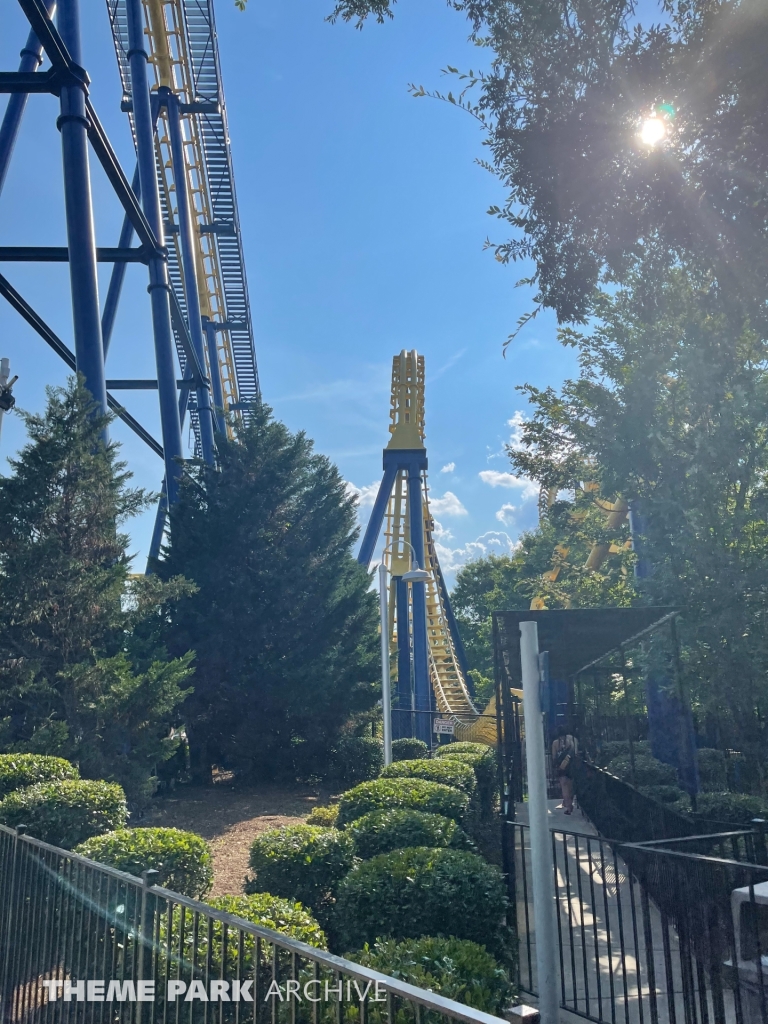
(262,909)
(420,891)
(382,831)
(408,748)
(416,794)
(648,771)
(738,808)
(20,770)
(67,812)
(182,859)
(454,968)
(448,771)
(482,759)
(713,770)
(300,862)
(356,759)
(620,748)
(325,816)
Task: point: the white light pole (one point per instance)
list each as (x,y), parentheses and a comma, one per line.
(386,696)
(544,907)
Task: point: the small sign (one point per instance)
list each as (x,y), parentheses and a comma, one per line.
(443,727)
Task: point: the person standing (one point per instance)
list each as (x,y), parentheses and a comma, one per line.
(565,750)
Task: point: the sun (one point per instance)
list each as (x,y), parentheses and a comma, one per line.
(652,131)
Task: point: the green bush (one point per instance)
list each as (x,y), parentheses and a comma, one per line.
(484,764)
(269,911)
(325,816)
(453,968)
(648,771)
(737,808)
(67,812)
(20,770)
(620,748)
(416,794)
(713,771)
(182,859)
(420,891)
(356,759)
(461,747)
(382,831)
(300,862)
(673,798)
(449,771)
(408,748)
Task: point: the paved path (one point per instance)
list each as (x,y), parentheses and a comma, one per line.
(604,935)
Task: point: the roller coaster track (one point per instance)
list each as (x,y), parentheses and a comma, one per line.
(183,49)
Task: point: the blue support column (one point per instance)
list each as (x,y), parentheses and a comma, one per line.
(422,685)
(81,237)
(31,59)
(186,236)
(379,508)
(118,274)
(402,719)
(220,412)
(165,355)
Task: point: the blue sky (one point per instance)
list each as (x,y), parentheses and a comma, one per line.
(364,216)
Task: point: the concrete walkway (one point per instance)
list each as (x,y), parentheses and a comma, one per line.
(608,972)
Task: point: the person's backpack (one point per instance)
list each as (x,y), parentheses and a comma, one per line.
(564,759)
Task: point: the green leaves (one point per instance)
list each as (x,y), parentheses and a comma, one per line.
(416,794)
(64,813)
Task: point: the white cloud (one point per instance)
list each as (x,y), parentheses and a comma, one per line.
(440,532)
(448,505)
(507,514)
(516,423)
(493,542)
(366,496)
(494,478)
(448,467)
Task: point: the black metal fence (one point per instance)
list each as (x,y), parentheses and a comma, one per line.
(654,933)
(80,942)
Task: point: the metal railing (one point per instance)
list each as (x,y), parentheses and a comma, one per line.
(654,933)
(114,948)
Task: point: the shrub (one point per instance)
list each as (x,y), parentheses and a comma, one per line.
(461,747)
(453,968)
(356,759)
(673,798)
(620,748)
(300,862)
(325,816)
(382,831)
(262,909)
(416,794)
(648,771)
(408,748)
(737,808)
(484,764)
(410,893)
(713,772)
(65,813)
(449,771)
(182,859)
(20,770)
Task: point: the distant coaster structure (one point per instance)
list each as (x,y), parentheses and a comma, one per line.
(428,660)
(180,205)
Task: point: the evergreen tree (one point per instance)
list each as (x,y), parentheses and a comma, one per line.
(283,621)
(82,672)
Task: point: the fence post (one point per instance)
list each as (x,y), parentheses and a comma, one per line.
(542,868)
(9,925)
(146,932)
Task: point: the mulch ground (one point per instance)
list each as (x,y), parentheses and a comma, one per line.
(230,818)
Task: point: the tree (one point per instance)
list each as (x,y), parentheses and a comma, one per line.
(562,102)
(283,621)
(671,410)
(82,672)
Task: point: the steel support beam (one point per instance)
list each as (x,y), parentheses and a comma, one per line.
(81,236)
(402,717)
(159,287)
(31,59)
(422,687)
(373,529)
(213,361)
(118,274)
(60,254)
(188,263)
